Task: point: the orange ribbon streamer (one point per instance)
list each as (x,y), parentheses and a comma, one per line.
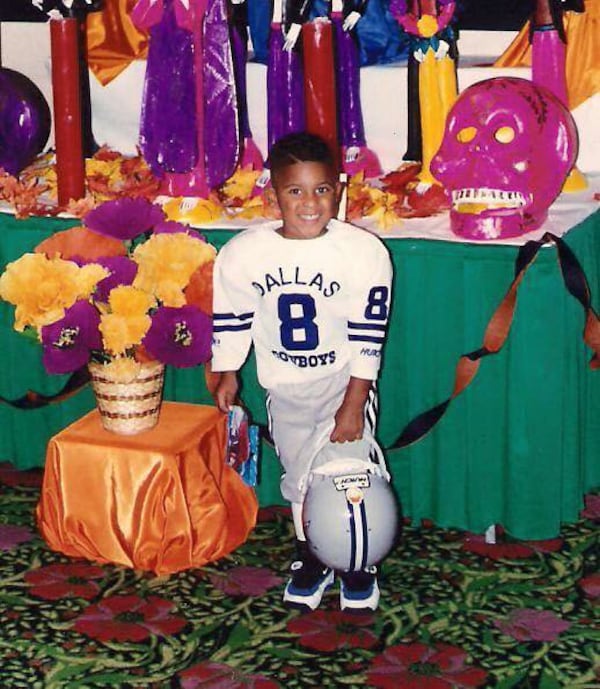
(499,326)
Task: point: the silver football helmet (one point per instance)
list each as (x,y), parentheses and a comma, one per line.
(350,513)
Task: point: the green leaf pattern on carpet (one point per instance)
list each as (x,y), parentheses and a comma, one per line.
(454,613)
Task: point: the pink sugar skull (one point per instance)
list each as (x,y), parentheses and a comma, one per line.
(507,150)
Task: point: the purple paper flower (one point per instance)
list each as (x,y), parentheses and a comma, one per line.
(124,218)
(180,337)
(67,343)
(11,536)
(122,272)
(528,624)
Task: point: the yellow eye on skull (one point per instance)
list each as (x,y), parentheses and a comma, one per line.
(466,135)
(504,135)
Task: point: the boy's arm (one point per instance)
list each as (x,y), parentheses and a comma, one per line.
(349,418)
(232,316)
(369,311)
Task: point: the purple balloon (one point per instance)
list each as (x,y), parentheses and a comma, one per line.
(24,121)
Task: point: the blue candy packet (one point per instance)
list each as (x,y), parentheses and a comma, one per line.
(242,445)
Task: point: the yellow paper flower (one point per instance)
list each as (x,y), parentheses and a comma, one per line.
(241,184)
(107,168)
(166,262)
(48,288)
(42,288)
(386,218)
(127,301)
(89,276)
(125,325)
(120,333)
(122,369)
(252,208)
(170,293)
(202,212)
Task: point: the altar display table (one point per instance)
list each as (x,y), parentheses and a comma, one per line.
(519,447)
(163,500)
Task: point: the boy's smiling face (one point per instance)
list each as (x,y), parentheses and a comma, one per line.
(307,194)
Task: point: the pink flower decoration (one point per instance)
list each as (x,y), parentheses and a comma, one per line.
(332,630)
(60,581)
(590,585)
(220,676)
(11,536)
(532,625)
(503,550)
(417,666)
(475,543)
(13,477)
(268,514)
(550,545)
(592,507)
(129,618)
(245,581)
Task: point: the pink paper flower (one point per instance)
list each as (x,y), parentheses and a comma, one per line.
(12,476)
(418,666)
(332,630)
(221,676)
(507,550)
(590,585)
(592,507)
(129,618)
(245,581)
(11,536)
(528,624)
(61,581)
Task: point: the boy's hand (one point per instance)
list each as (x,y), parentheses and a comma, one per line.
(350,417)
(226,391)
(349,424)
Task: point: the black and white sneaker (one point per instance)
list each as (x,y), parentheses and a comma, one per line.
(309,581)
(359,590)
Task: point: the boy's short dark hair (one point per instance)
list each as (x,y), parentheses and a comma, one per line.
(301,147)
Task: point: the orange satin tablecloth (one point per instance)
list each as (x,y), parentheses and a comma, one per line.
(163,500)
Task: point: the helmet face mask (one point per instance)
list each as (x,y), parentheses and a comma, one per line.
(350,515)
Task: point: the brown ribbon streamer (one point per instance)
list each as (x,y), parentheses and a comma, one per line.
(499,326)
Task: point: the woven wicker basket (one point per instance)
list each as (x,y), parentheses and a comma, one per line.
(129,408)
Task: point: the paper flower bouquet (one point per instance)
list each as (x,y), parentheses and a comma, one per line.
(126,288)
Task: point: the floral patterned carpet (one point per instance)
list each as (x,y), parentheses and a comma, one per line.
(455,613)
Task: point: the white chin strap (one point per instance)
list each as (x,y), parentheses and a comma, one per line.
(297,516)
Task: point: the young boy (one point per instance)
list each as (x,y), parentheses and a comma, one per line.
(313,296)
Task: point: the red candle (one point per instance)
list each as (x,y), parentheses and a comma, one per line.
(319,81)
(70,164)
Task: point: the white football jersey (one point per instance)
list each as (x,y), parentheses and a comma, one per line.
(309,306)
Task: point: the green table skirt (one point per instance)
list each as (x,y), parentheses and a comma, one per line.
(519,447)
